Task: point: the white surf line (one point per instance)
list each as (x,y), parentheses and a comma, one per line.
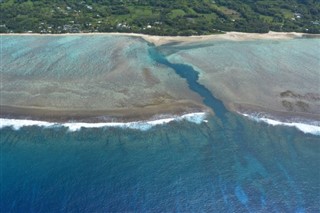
(304,127)
(16,124)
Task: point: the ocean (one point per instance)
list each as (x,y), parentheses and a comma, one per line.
(236,166)
(221,163)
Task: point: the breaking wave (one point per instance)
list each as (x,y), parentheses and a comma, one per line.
(16,124)
(311,128)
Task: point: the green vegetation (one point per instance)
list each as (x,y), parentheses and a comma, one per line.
(166,17)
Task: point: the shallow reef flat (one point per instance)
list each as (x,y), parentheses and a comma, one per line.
(107,77)
(280,78)
(96,77)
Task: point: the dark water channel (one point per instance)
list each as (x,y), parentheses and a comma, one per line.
(191,76)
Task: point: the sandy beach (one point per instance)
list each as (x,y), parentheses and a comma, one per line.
(161,40)
(233,36)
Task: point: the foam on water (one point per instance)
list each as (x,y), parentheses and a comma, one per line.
(304,127)
(16,124)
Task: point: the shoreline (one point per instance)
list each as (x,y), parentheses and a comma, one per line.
(162,40)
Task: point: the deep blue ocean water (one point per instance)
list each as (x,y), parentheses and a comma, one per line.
(229,164)
(239,166)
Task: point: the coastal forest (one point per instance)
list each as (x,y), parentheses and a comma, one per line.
(166,17)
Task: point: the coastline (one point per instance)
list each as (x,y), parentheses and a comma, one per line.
(162,40)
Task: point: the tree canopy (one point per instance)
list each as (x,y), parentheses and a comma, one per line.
(169,17)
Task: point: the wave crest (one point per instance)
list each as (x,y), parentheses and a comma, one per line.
(16,124)
(311,128)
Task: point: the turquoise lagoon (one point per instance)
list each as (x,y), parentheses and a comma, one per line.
(227,164)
